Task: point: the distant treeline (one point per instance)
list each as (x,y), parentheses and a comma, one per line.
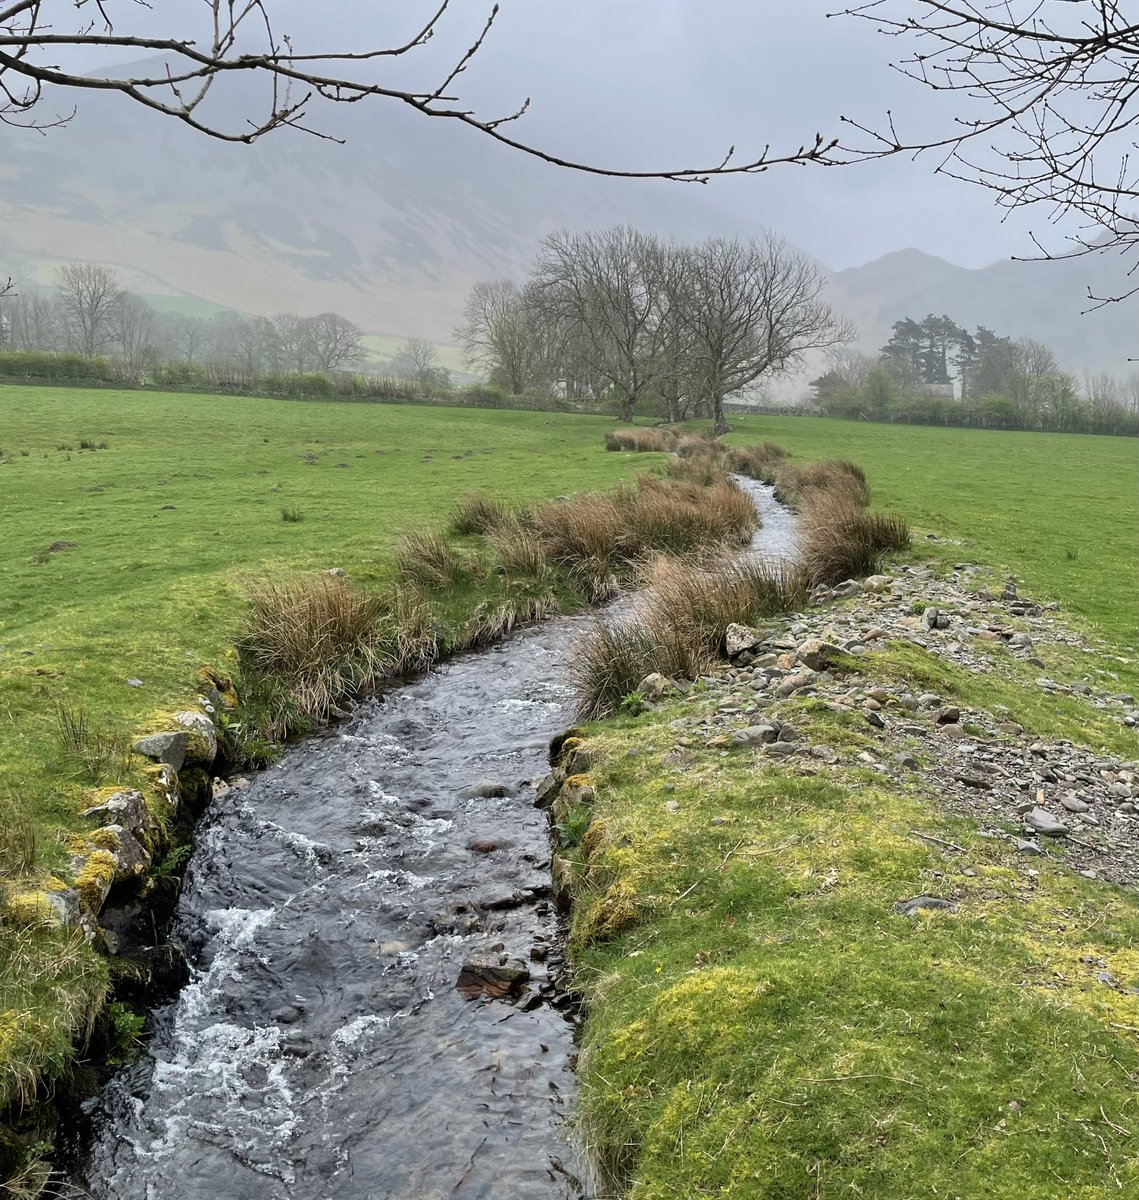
(934,372)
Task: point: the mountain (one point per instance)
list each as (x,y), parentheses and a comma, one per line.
(1041,300)
(393,227)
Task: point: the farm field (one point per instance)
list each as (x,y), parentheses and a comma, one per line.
(1059,510)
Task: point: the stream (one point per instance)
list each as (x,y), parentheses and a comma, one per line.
(321,1048)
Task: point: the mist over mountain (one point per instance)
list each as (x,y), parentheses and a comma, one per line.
(392,228)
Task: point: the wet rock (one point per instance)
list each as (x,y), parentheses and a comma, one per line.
(169,748)
(485,845)
(1044,823)
(487,789)
(910,908)
(493,975)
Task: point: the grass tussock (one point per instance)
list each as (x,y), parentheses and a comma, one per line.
(19,840)
(306,644)
(837,477)
(704,469)
(842,541)
(518,550)
(694,444)
(425,559)
(96,753)
(679,628)
(641,441)
(480,513)
(761,461)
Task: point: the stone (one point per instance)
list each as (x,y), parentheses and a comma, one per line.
(1026,846)
(817,654)
(794,683)
(739,639)
(135,683)
(548,788)
(493,975)
(930,617)
(910,908)
(487,789)
(928,700)
(202,738)
(755,735)
(169,748)
(949,715)
(907,760)
(126,808)
(1074,804)
(876,719)
(1044,823)
(952,733)
(824,754)
(878,583)
(656,687)
(788,733)
(130,856)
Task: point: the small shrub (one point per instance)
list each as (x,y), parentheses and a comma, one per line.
(426,559)
(292,516)
(1070,554)
(478,512)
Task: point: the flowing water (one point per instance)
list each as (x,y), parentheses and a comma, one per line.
(322,1048)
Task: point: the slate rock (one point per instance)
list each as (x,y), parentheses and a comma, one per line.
(169,748)
(910,908)
(1044,823)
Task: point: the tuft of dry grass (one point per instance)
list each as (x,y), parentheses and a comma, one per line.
(689,444)
(640,441)
(518,549)
(425,559)
(794,486)
(19,840)
(704,469)
(478,512)
(842,541)
(307,643)
(679,628)
(760,461)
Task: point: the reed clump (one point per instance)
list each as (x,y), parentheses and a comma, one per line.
(761,461)
(425,559)
(841,540)
(641,441)
(480,513)
(837,477)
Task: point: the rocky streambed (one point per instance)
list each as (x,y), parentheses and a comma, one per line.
(377,1005)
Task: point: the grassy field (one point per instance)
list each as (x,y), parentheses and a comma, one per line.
(132,520)
(1060,510)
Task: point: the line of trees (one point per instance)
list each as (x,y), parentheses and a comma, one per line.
(936,372)
(619,316)
(91,315)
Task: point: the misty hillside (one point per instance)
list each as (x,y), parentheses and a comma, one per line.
(1042,300)
(392,228)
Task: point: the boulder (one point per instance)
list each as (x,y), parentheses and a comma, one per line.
(1044,823)
(739,639)
(656,687)
(202,738)
(487,789)
(130,857)
(755,735)
(126,808)
(878,583)
(168,748)
(817,654)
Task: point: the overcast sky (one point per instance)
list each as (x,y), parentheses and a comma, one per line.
(647,83)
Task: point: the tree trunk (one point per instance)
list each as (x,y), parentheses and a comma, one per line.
(721,422)
(628,408)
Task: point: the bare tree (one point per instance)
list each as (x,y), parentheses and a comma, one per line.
(184,339)
(89,297)
(751,309)
(134,333)
(334,341)
(293,343)
(1049,106)
(611,289)
(501,333)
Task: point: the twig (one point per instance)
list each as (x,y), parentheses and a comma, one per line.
(928,837)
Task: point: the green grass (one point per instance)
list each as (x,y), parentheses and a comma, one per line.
(763,1026)
(1015,500)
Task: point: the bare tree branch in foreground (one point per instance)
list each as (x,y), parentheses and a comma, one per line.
(1048,110)
(240,37)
